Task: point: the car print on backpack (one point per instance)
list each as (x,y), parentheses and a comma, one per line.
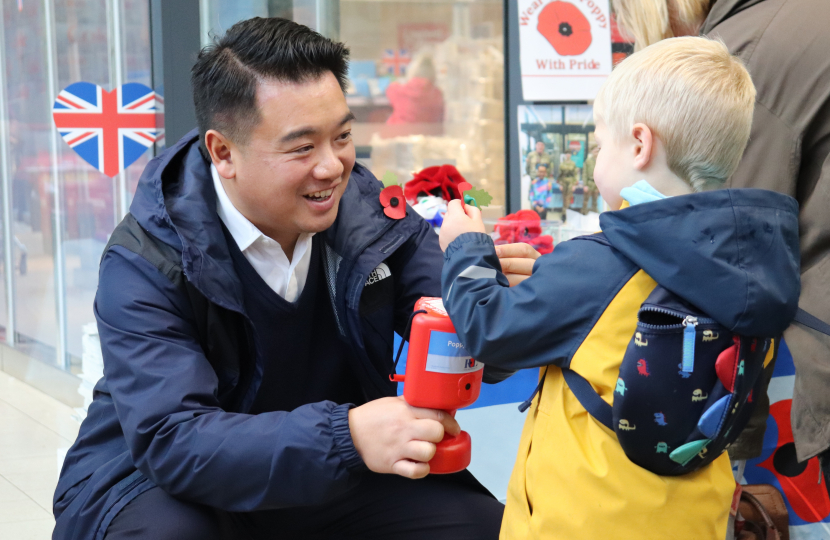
(699,395)
(625,426)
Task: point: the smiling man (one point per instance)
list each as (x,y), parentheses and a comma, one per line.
(246,307)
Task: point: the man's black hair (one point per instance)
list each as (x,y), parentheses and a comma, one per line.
(227,72)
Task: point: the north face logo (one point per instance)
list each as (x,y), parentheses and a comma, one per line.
(378,274)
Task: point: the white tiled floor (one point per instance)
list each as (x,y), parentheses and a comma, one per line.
(35,432)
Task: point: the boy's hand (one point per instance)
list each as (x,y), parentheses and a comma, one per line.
(517,261)
(458,222)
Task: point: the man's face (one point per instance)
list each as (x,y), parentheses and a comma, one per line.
(293,170)
(540,147)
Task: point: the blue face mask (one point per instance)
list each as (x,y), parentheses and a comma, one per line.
(641,192)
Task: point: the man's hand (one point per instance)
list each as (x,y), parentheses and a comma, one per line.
(517,261)
(457,221)
(393,437)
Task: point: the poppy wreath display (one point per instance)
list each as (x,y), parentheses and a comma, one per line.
(523,226)
(565,28)
(442,181)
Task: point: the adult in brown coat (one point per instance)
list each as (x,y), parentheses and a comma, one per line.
(784,44)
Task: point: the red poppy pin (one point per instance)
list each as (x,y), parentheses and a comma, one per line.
(565,28)
(394,205)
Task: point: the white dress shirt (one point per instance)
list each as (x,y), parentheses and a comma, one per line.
(286,278)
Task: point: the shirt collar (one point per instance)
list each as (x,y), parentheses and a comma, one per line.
(243,231)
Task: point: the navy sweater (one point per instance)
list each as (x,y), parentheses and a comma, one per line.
(303,358)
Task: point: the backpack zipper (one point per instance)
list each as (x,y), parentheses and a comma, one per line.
(689,330)
(680,315)
(689,324)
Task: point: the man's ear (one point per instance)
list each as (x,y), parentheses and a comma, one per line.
(219,148)
(643,146)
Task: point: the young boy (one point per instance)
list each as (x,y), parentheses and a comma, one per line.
(672,121)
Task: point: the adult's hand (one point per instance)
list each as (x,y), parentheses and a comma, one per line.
(393,437)
(517,261)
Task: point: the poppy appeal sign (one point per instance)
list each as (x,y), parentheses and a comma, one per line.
(565,48)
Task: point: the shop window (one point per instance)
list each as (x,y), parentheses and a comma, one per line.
(426,79)
(61,209)
(427,87)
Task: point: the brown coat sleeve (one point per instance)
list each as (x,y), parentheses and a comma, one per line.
(785,45)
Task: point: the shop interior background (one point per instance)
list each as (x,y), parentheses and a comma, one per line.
(59,211)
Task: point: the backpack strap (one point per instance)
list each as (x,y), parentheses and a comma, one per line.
(579,385)
(588,397)
(811,321)
(525,405)
(130,235)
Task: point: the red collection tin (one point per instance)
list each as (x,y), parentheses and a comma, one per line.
(440,374)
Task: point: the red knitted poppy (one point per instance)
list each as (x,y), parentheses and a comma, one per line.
(523,226)
(441,181)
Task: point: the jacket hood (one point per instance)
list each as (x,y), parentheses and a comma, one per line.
(732,253)
(175,201)
(724,9)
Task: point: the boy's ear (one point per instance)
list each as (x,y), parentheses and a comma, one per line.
(643,146)
(219,148)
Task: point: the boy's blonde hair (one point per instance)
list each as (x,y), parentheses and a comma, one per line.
(650,21)
(694,96)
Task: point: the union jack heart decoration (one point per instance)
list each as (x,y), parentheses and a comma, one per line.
(109,130)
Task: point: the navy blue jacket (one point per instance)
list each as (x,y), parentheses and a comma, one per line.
(180,365)
(732,253)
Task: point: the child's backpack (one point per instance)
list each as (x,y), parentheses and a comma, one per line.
(686,389)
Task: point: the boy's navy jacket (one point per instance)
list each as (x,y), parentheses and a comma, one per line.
(732,253)
(179,361)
